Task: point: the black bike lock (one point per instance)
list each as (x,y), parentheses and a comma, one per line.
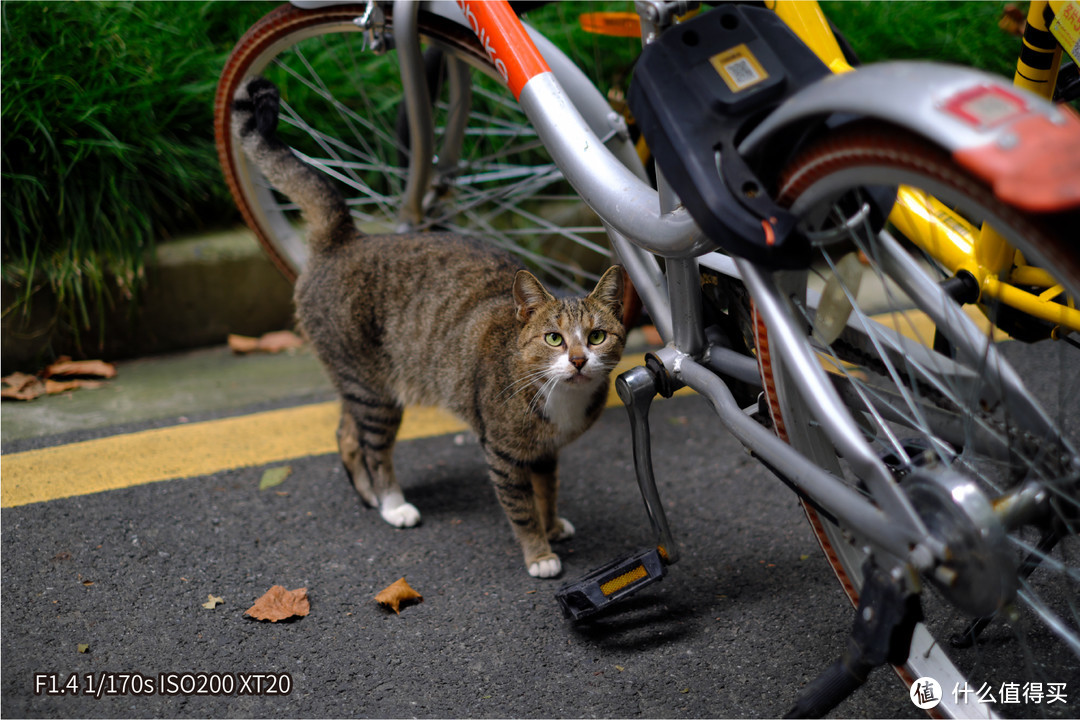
(694,91)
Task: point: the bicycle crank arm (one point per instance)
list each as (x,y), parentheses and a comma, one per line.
(637,388)
(629,573)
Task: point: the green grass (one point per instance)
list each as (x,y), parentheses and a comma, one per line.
(965,33)
(107,140)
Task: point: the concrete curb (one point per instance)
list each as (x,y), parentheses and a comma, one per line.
(199,290)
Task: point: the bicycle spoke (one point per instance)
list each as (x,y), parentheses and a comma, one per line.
(368,126)
(1051,619)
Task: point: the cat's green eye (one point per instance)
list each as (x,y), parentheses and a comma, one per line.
(597,336)
(553,339)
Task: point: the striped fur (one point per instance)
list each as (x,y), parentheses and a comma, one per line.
(441,319)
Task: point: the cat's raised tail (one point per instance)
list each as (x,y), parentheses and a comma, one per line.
(254,126)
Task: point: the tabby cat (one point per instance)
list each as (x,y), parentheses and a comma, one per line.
(441,319)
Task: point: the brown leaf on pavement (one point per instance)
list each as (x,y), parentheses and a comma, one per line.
(242,344)
(55,387)
(273,342)
(280,340)
(280,604)
(398,595)
(20,386)
(66,367)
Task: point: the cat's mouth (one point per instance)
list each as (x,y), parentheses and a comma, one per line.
(579,378)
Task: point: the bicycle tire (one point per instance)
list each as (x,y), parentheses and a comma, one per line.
(313,56)
(824,176)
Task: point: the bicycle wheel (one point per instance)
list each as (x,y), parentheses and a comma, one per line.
(342,109)
(943,421)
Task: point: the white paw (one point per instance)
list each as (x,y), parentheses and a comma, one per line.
(563,531)
(404,515)
(548,567)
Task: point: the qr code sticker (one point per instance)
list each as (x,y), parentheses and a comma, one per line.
(742,72)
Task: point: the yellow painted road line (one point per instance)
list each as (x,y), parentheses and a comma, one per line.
(186,451)
(198,449)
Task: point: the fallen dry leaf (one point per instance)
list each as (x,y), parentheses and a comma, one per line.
(278,341)
(55,387)
(212,601)
(242,344)
(83,647)
(20,386)
(280,604)
(66,367)
(273,342)
(398,594)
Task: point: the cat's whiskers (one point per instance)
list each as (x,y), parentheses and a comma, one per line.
(525,382)
(545,390)
(550,376)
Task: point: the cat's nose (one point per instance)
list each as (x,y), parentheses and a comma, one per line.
(578,360)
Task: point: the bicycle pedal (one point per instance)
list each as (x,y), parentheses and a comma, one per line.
(610,583)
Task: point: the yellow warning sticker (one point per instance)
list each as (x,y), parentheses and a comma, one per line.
(1066,28)
(739,68)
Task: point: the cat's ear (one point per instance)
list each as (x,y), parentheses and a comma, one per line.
(529,294)
(609,290)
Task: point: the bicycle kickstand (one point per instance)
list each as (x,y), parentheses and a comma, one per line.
(884,622)
(629,573)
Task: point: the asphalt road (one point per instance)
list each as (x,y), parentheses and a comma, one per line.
(111,585)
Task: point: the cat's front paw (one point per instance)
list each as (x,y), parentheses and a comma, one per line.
(563,530)
(404,515)
(546,566)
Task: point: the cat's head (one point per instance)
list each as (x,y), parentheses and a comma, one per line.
(570,341)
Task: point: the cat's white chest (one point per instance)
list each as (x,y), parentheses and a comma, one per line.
(566,406)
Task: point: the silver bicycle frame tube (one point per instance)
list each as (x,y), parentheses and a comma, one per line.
(869,522)
(829,408)
(625,202)
(649,280)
